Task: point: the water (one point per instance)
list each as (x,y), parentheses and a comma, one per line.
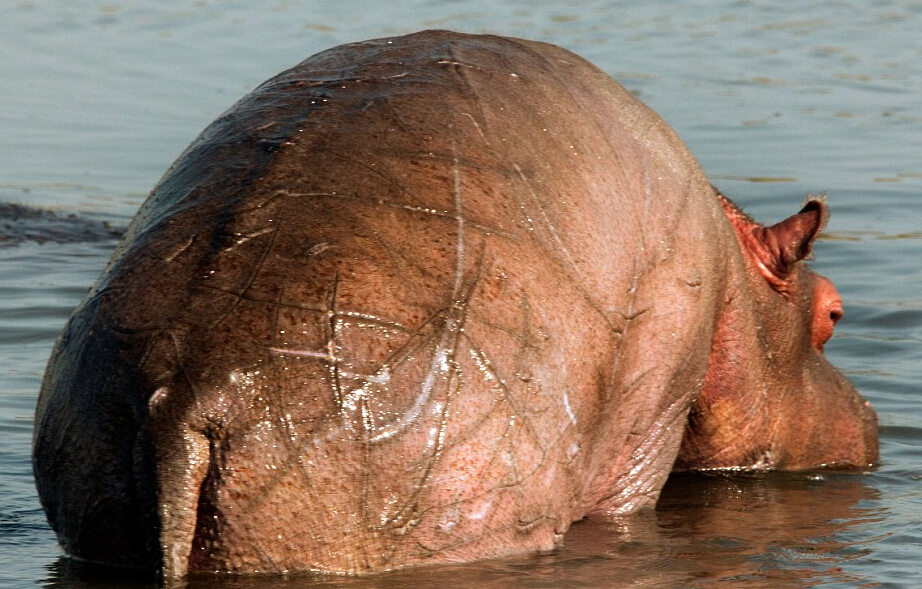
(776,99)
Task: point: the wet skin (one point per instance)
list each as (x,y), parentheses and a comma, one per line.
(429,299)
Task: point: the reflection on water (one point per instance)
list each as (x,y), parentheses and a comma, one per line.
(773,531)
(739,530)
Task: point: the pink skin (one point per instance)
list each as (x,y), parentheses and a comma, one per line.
(794,410)
(827,311)
(429,299)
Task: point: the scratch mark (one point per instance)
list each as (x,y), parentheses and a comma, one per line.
(555,235)
(178,249)
(438,365)
(459,216)
(381,376)
(245,237)
(566,405)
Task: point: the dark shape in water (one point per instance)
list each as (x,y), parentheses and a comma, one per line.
(20,223)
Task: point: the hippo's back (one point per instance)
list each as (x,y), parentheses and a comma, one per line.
(379,313)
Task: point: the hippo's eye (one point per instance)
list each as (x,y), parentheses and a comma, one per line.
(827,311)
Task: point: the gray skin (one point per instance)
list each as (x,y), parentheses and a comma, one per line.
(429,299)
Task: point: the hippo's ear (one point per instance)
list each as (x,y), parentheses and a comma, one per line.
(791,240)
(776,249)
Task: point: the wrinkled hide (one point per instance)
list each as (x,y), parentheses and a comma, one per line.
(428,299)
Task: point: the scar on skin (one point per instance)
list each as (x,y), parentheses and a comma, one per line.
(381,376)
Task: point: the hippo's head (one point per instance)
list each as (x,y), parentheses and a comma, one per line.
(771,399)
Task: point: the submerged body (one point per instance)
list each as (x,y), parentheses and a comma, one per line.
(429,299)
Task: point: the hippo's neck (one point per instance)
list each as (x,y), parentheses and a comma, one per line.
(730,424)
(732,409)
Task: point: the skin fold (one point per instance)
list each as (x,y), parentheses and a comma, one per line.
(429,299)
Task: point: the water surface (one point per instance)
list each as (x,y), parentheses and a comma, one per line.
(777,100)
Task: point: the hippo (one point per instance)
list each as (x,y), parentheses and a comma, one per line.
(430,299)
